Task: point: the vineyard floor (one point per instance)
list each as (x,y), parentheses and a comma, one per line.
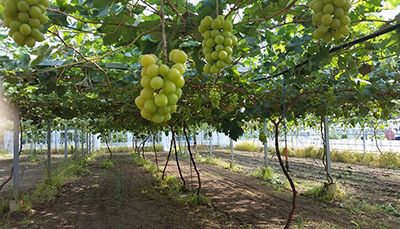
(124,196)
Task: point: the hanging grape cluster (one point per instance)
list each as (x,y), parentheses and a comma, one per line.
(331,18)
(162,86)
(215,97)
(25,19)
(218,42)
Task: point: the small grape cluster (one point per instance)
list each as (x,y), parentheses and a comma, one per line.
(25,19)
(162,86)
(215,97)
(331,17)
(218,42)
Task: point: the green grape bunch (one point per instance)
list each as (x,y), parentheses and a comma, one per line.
(331,18)
(162,86)
(232,102)
(25,19)
(215,97)
(217,44)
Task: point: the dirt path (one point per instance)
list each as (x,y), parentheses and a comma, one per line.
(125,197)
(119,197)
(247,202)
(31,173)
(379,186)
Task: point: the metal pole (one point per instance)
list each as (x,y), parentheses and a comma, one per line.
(76,142)
(232,154)
(49,150)
(16,156)
(211,152)
(265,144)
(66,142)
(328,150)
(364,143)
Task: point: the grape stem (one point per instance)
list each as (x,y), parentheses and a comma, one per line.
(164,36)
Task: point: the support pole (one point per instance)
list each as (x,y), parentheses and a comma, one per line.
(49,150)
(210,141)
(16,132)
(265,144)
(364,141)
(232,154)
(328,149)
(66,142)
(76,142)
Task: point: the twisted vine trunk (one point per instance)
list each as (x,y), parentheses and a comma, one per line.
(287,175)
(155,150)
(108,148)
(177,160)
(166,163)
(192,159)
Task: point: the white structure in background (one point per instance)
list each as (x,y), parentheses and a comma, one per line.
(354,139)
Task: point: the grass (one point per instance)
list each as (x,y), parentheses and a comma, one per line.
(107,164)
(248,146)
(219,162)
(267,174)
(327,192)
(170,184)
(384,160)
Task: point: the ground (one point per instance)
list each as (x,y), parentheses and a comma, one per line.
(125,196)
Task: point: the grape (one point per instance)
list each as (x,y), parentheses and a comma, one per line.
(150,106)
(157,82)
(169,87)
(22,6)
(152,70)
(25,29)
(161,86)
(161,100)
(35,12)
(146,93)
(25,18)
(330,17)
(172,99)
(326,19)
(139,101)
(173,74)
(215,97)
(30,42)
(180,67)
(217,43)
(163,69)
(180,82)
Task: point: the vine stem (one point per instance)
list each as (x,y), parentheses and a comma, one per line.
(192,159)
(164,36)
(287,175)
(166,163)
(177,159)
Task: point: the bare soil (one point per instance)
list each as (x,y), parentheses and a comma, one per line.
(31,173)
(125,196)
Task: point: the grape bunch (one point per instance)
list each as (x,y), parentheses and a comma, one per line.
(162,86)
(25,19)
(218,42)
(331,18)
(215,97)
